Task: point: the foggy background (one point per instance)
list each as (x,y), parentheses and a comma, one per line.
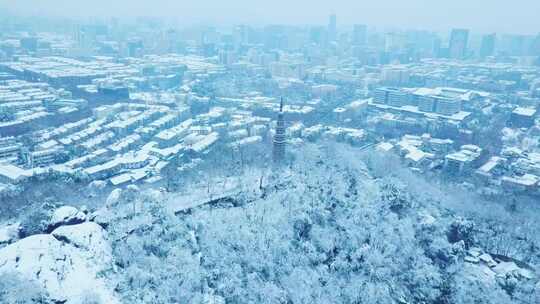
(519,16)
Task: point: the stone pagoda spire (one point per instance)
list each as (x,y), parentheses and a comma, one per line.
(278,151)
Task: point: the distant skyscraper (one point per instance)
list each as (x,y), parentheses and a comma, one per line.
(488,45)
(393,41)
(30,44)
(359,35)
(240,35)
(134,48)
(517,45)
(279,138)
(332,27)
(317,35)
(458,43)
(535,47)
(436,46)
(535,86)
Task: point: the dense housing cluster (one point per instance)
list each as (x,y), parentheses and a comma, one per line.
(102,103)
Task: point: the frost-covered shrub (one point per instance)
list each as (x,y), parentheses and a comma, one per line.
(302,228)
(508,282)
(17,290)
(131,193)
(461,229)
(89,297)
(395,196)
(34,222)
(443,253)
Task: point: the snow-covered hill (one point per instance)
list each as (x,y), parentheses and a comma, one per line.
(320,231)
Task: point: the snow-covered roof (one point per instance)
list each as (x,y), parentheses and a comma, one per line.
(524,111)
(13,173)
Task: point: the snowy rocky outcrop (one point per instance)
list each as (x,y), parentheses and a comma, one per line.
(68,263)
(86,236)
(66,215)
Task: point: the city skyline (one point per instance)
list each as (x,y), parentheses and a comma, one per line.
(417,14)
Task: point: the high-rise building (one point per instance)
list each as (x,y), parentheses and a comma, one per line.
(30,44)
(487,48)
(458,43)
(332,27)
(447,106)
(396,76)
(397,98)
(515,45)
(394,41)
(426,103)
(240,35)
(9,149)
(535,46)
(318,35)
(278,151)
(380,95)
(534,89)
(134,48)
(359,36)
(227,57)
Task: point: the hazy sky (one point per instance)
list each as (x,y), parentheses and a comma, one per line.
(510,16)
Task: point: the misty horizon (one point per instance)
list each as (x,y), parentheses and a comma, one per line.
(517,17)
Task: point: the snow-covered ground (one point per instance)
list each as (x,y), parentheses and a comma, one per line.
(69,263)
